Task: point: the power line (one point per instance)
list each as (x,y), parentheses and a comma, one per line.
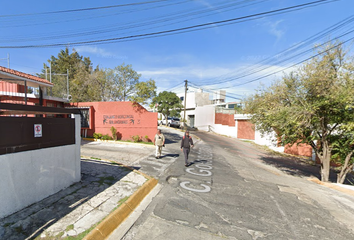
(264,64)
(177,30)
(293,65)
(81,9)
(175,18)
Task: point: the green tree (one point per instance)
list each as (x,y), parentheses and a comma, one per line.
(124,80)
(310,104)
(144,91)
(59,65)
(89,86)
(168,104)
(343,150)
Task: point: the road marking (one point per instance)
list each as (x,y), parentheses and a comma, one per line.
(201,169)
(208,173)
(205,190)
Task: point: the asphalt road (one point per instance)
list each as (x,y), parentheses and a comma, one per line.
(234,190)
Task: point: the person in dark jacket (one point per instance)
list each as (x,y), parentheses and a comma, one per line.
(186,144)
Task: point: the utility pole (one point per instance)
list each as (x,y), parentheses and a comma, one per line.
(67,79)
(185,99)
(8,60)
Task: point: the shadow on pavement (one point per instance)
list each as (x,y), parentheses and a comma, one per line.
(169,155)
(30,222)
(171,137)
(297,167)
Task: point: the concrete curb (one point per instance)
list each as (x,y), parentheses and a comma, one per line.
(116,142)
(333,186)
(112,221)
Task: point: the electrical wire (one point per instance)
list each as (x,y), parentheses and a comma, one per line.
(81,9)
(154,22)
(177,30)
(293,65)
(270,63)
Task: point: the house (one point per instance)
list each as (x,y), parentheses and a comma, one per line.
(220,117)
(22,88)
(39,148)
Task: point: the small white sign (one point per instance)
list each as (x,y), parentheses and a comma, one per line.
(37,130)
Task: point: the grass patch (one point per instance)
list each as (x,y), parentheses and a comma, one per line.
(95,158)
(114,163)
(8,224)
(70,227)
(126,169)
(19,229)
(106,180)
(121,201)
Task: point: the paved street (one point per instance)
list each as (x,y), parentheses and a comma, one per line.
(233,191)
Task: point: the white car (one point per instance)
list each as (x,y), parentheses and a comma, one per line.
(171,122)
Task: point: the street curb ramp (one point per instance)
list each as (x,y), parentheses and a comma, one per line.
(110,223)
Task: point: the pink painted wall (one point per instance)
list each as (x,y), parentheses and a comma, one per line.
(129,119)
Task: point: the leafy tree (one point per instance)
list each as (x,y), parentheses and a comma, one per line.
(124,80)
(168,103)
(89,86)
(343,150)
(310,104)
(144,91)
(60,64)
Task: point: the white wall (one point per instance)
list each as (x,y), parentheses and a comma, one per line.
(224,130)
(30,176)
(269,140)
(204,117)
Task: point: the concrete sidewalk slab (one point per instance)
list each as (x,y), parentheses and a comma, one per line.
(78,209)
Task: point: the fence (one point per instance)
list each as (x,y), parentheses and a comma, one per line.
(18,133)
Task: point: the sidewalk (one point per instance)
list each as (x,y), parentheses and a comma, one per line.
(106,189)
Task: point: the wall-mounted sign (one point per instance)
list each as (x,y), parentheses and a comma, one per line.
(37,130)
(119,119)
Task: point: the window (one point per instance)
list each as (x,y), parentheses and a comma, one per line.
(85,118)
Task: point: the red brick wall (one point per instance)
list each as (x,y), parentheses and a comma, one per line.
(245,130)
(300,150)
(225,119)
(128,119)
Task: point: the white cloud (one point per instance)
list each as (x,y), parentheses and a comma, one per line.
(168,78)
(100,52)
(275,29)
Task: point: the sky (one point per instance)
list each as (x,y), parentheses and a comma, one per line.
(237,46)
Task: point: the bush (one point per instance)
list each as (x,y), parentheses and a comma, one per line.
(136,138)
(114,133)
(106,137)
(97,135)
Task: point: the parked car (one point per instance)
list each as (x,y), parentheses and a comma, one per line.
(171,122)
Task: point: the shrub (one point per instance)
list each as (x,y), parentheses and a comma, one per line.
(136,138)
(106,137)
(97,135)
(146,138)
(114,133)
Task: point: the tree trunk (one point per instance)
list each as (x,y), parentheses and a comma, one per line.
(345,169)
(325,162)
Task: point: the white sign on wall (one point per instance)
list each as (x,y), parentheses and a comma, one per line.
(37,130)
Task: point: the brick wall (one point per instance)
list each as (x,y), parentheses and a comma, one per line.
(225,119)
(245,130)
(300,150)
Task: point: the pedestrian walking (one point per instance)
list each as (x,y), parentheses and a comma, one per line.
(159,142)
(186,144)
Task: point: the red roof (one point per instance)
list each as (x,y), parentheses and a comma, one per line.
(24,75)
